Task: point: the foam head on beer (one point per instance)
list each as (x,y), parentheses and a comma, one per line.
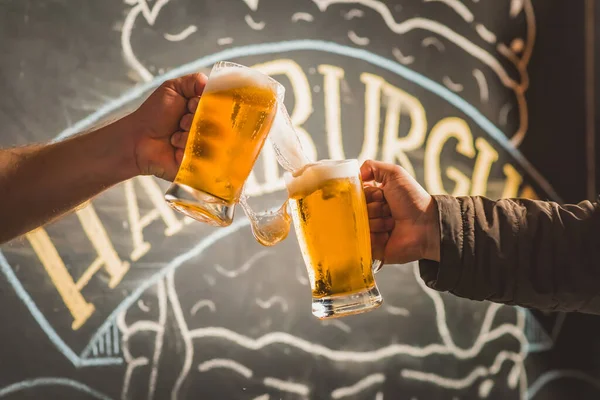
(234,78)
(311,176)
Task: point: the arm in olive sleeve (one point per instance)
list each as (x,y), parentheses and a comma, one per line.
(523,252)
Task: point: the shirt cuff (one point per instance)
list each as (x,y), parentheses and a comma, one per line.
(445,275)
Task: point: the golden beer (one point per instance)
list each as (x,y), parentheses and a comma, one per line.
(330,218)
(229,129)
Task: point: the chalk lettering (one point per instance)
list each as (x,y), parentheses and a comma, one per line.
(483,165)
(440,134)
(395,147)
(513,182)
(137,222)
(333,117)
(79,308)
(69,290)
(373,84)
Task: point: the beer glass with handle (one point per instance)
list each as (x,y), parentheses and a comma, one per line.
(330,217)
(230,126)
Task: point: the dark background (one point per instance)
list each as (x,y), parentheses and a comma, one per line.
(63,60)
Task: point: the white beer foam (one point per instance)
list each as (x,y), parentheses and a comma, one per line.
(309,178)
(234,77)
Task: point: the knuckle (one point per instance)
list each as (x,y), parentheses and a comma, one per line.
(168,83)
(396,169)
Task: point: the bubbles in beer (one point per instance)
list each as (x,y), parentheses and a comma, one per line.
(271,227)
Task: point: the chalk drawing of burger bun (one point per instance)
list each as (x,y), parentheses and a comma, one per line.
(479,50)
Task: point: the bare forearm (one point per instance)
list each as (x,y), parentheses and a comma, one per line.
(41,183)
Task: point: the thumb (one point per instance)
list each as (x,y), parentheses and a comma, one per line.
(378,171)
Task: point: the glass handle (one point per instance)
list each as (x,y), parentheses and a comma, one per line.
(376,266)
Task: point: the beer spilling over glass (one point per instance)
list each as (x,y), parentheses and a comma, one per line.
(230,126)
(330,217)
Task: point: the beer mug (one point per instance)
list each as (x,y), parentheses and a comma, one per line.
(230,126)
(330,217)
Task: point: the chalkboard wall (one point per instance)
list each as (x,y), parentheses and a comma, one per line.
(472,97)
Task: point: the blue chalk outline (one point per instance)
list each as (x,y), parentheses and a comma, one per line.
(233,53)
(32,383)
(553,375)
